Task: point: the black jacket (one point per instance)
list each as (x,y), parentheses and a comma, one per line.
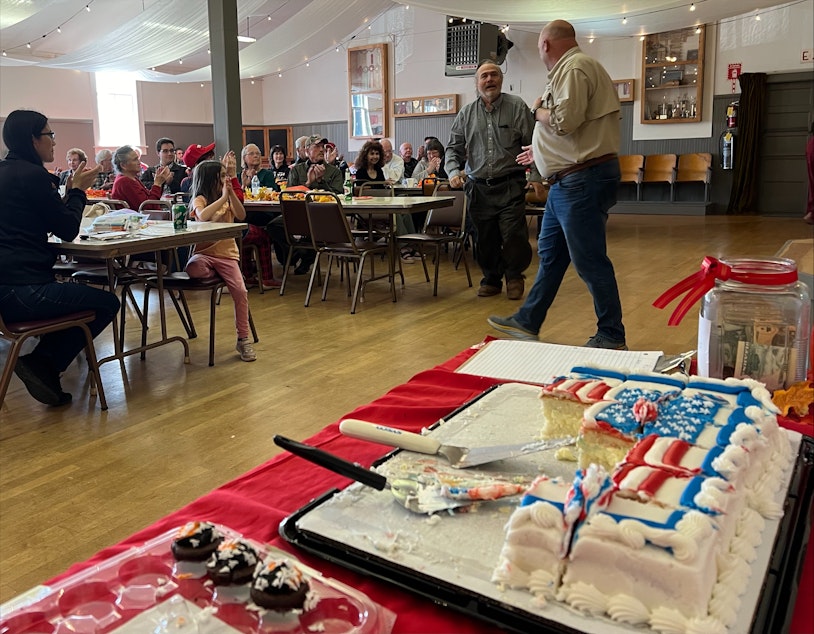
(30,209)
(179,173)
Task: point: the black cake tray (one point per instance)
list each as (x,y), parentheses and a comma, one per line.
(772,612)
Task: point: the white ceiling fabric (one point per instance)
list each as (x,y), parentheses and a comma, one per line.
(308,33)
(165,31)
(596,17)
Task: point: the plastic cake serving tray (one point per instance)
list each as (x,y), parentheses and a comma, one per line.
(144,590)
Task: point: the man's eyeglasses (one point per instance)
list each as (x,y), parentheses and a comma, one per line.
(50,134)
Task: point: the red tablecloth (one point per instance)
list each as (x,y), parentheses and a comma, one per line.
(256,502)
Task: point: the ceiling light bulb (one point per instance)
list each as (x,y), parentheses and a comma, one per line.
(449,20)
(590,40)
(337,49)
(692,7)
(698,30)
(624,20)
(5,54)
(268,17)
(152,68)
(28,45)
(180,61)
(87,8)
(641,38)
(307,64)
(757,17)
(59,29)
(279,74)
(201,85)
(208,52)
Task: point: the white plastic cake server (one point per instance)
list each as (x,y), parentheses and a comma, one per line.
(459,457)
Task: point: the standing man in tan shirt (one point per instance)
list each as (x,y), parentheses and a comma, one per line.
(575,142)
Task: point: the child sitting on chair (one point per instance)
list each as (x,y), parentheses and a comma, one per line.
(214,200)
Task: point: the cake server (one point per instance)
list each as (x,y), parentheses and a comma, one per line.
(413,495)
(459,457)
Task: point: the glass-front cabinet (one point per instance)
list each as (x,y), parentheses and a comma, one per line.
(673,76)
(367,77)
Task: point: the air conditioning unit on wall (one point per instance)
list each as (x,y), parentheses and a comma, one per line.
(469,43)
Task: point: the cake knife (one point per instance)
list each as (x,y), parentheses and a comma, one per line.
(459,457)
(411,494)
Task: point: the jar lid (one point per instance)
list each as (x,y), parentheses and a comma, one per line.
(763,272)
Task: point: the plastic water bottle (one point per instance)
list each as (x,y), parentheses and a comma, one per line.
(255,186)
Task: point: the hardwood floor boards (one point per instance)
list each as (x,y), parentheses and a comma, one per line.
(74,480)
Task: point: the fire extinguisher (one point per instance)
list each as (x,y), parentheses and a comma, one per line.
(732,115)
(727,150)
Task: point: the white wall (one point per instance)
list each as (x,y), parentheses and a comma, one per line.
(192,102)
(772,45)
(59,94)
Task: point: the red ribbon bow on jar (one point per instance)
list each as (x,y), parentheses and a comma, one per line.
(697,284)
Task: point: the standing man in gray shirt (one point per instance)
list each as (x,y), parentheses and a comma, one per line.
(486,138)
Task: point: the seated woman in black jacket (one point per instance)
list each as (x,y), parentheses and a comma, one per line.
(32,208)
(369,163)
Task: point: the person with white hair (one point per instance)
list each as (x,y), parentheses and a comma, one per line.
(106,176)
(302,151)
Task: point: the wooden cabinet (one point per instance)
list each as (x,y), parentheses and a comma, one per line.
(367,87)
(673,76)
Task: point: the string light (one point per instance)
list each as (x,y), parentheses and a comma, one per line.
(59,29)
(698,30)
(692,7)
(180,61)
(4,54)
(28,45)
(87,8)
(624,20)
(757,17)
(641,38)
(591,40)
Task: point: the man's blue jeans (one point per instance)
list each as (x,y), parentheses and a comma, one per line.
(46,301)
(574,230)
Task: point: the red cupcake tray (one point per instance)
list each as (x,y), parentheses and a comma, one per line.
(146,590)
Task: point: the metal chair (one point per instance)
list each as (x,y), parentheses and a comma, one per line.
(443,226)
(297,231)
(182,283)
(331,234)
(18,332)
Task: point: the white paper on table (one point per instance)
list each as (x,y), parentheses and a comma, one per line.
(538,362)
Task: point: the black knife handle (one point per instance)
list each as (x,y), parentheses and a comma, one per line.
(336,464)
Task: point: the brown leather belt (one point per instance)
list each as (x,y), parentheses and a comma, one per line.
(578,167)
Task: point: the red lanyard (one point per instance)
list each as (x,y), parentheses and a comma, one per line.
(697,284)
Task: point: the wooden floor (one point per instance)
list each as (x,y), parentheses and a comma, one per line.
(74,479)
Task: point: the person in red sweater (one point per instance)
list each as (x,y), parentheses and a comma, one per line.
(127,186)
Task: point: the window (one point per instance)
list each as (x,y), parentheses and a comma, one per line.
(118,109)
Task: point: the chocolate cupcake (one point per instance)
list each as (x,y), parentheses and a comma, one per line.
(233,563)
(196,541)
(279,585)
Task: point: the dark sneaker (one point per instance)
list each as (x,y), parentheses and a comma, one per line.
(515,288)
(508,326)
(487,290)
(601,341)
(41,380)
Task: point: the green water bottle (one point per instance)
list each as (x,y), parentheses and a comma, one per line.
(348,186)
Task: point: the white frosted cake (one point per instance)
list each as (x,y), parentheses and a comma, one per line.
(667,508)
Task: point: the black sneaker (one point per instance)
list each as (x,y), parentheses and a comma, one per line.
(601,341)
(41,380)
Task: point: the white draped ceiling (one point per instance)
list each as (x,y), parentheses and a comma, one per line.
(172,36)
